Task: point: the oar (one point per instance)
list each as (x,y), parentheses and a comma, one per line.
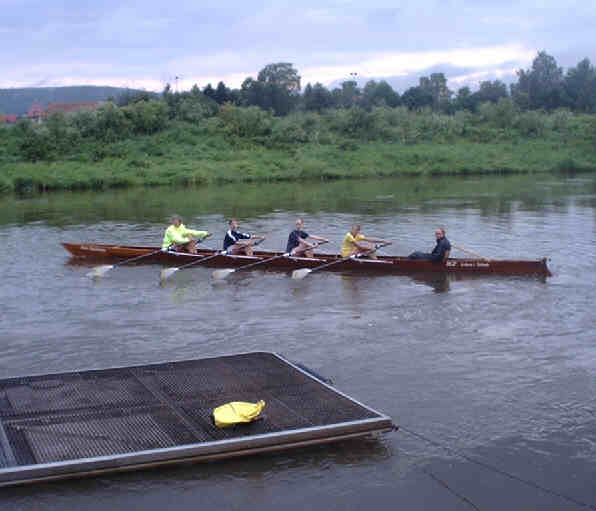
(170,271)
(469,252)
(222,274)
(303,272)
(101,270)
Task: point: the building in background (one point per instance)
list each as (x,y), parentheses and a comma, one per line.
(8,118)
(67,108)
(34,113)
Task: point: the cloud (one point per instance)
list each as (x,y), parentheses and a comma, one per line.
(148,43)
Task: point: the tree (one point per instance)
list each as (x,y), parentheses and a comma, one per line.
(222,94)
(436,86)
(347,96)
(580,87)
(316,98)
(416,98)
(464,100)
(209,91)
(379,94)
(490,91)
(541,86)
(281,74)
(252,93)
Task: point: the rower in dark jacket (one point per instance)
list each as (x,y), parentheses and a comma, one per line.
(439,253)
(234,240)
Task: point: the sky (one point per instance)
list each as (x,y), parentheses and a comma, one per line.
(146,44)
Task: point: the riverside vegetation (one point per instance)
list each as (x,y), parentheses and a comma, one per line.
(268,132)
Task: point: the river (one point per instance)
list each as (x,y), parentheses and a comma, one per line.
(492,378)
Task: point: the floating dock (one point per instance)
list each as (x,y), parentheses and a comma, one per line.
(85,423)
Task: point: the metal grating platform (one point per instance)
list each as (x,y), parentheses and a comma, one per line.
(88,422)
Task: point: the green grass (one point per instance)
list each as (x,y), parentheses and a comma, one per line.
(186,154)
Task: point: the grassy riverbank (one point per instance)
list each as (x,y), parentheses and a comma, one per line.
(390,142)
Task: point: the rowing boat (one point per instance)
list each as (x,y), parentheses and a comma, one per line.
(94,252)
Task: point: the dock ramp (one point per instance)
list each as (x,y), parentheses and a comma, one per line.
(86,423)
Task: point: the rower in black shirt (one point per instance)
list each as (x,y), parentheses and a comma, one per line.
(439,253)
(232,243)
(297,241)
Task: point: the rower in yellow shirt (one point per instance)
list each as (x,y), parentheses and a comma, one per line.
(178,238)
(352,243)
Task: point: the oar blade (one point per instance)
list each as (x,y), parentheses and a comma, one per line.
(301,273)
(100,271)
(222,274)
(166,273)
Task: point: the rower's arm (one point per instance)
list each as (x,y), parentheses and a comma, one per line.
(197,234)
(318,238)
(361,248)
(305,244)
(377,240)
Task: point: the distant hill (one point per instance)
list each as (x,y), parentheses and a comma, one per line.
(18,101)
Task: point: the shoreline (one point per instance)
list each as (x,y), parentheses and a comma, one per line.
(310,162)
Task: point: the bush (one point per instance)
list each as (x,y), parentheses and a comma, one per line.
(146,117)
(34,144)
(288,131)
(500,115)
(248,122)
(530,123)
(560,120)
(111,124)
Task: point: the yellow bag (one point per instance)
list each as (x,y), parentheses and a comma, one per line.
(236,412)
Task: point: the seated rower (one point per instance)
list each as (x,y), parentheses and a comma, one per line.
(232,243)
(439,253)
(180,239)
(352,244)
(297,241)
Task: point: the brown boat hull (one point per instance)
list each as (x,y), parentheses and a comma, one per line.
(93,252)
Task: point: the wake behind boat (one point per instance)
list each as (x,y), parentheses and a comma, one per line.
(112,254)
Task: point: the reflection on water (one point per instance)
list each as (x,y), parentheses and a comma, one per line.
(438,282)
(488,196)
(500,367)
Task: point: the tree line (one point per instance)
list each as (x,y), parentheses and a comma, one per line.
(273,110)
(544,86)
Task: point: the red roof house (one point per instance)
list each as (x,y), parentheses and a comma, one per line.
(35,112)
(8,118)
(67,108)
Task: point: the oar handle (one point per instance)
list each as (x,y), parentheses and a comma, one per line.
(285,254)
(309,248)
(353,256)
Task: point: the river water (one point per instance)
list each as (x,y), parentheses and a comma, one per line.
(492,378)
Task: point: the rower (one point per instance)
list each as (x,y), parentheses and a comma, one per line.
(180,239)
(352,244)
(232,241)
(298,243)
(441,251)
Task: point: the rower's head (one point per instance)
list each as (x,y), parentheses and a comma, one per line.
(233,223)
(440,232)
(299,224)
(176,220)
(355,229)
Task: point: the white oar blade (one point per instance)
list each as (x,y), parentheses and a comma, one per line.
(301,273)
(222,274)
(167,273)
(100,271)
